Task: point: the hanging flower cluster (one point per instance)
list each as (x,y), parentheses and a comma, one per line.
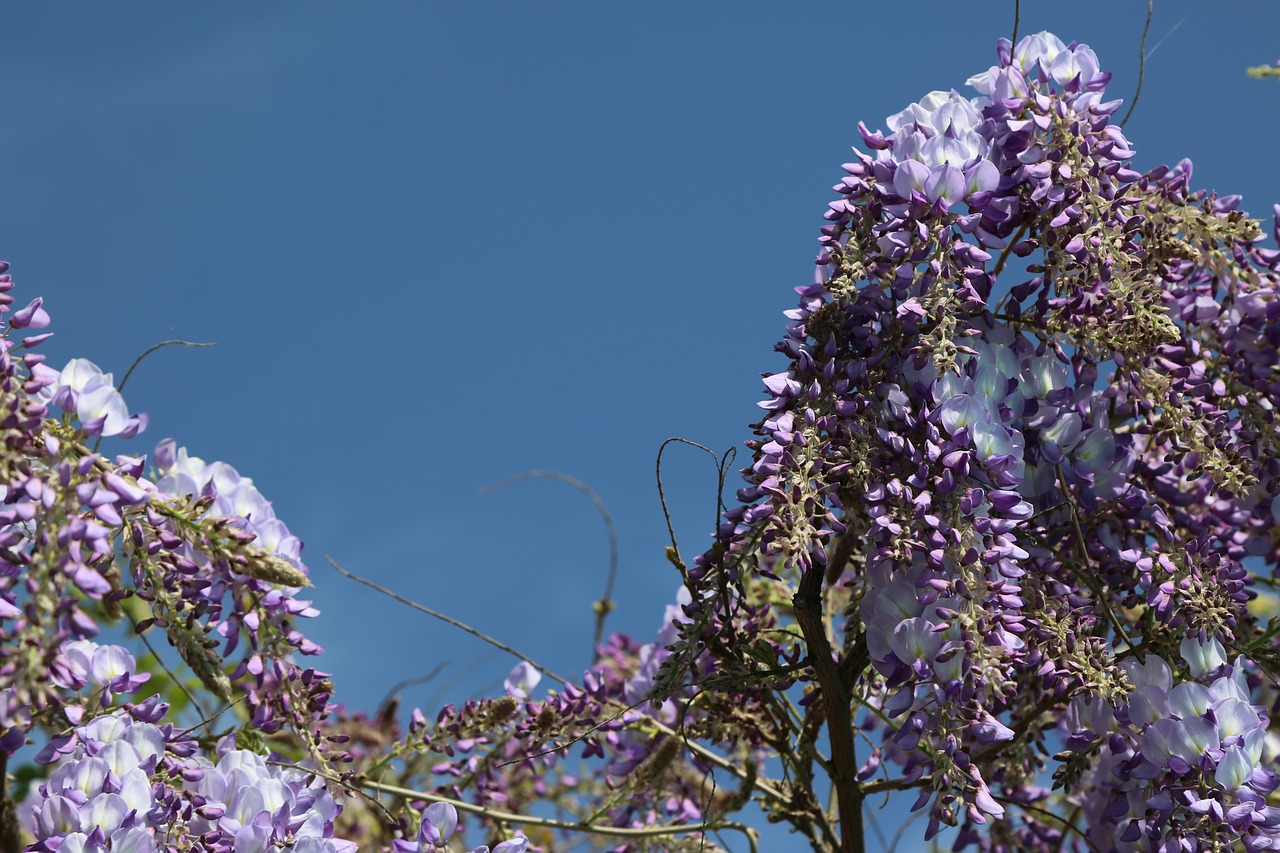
(194,555)
(127,784)
(192,551)
(1016,486)
(1187,756)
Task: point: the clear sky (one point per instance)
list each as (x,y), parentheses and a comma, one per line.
(442,243)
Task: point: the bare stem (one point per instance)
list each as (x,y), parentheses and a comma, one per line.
(1088,575)
(10,829)
(807,604)
(140,358)
(605,605)
(1142,62)
(443,618)
(570,826)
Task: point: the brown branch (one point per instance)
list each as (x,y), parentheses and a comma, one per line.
(10,828)
(807,604)
(1004,255)
(568,826)
(900,784)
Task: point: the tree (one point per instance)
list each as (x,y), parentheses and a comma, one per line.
(991,551)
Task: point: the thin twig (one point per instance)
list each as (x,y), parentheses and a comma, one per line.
(726,459)
(875,827)
(708,755)
(1142,62)
(605,605)
(139,359)
(619,712)
(898,784)
(1022,726)
(216,715)
(1004,255)
(174,678)
(1164,38)
(1088,574)
(340,782)
(1040,810)
(461,674)
(662,496)
(569,826)
(902,831)
(764,786)
(412,682)
(1017,19)
(447,619)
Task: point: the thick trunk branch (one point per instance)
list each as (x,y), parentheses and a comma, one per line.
(807,603)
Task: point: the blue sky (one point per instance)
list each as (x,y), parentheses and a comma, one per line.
(440,244)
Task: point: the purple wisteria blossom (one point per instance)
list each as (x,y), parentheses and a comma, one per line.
(122,784)
(1026,483)
(439,820)
(1181,758)
(83,390)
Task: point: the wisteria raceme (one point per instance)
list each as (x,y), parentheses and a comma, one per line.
(1018,483)
(87,540)
(123,783)
(1181,760)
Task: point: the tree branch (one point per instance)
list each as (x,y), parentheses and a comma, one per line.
(569,826)
(807,603)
